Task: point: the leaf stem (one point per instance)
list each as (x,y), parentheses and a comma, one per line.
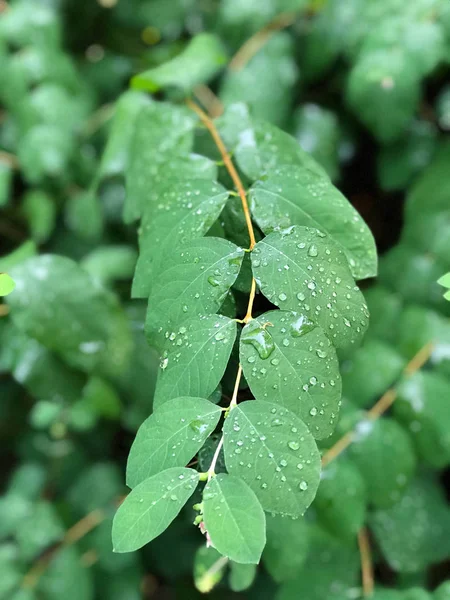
(212,466)
(385,402)
(366,562)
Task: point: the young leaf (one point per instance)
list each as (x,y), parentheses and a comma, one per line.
(297,196)
(234,519)
(301,269)
(284,461)
(195,358)
(203,57)
(241,576)
(170,437)
(287,546)
(186,209)
(289,361)
(162,131)
(151,507)
(195,280)
(7,284)
(209,568)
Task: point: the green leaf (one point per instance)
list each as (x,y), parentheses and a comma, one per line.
(66,577)
(300,269)
(383,452)
(38,530)
(170,437)
(331,570)
(442,592)
(12,574)
(209,568)
(6,174)
(185,211)
(341,499)
(83,215)
(283,457)
(422,406)
(40,212)
(241,576)
(413,533)
(385,310)
(259,147)
(116,155)
(58,304)
(203,57)
(195,280)
(102,399)
(384,91)
(444,280)
(195,358)
(151,507)
(287,546)
(274,71)
(20,254)
(109,263)
(162,132)
(234,519)
(297,196)
(7,284)
(370,371)
(317,131)
(289,361)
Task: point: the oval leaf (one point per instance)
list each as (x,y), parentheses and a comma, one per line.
(300,269)
(7,284)
(195,358)
(284,460)
(297,196)
(234,519)
(170,437)
(289,361)
(195,280)
(151,507)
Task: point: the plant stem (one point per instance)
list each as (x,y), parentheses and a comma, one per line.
(209,124)
(386,400)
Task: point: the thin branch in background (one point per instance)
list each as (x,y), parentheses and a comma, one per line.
(7,158)
(382,405)
(366,562)
(257,41)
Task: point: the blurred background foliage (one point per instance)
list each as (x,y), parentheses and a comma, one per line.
(363,85)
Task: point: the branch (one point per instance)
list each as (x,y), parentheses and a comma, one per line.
(72,535)
(382,405)
(254,44)
(366,562)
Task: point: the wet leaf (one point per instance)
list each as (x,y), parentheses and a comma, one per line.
(274,453)
(300,269)
(234,519)
(195,280)
(151,507)
(195,358)
(170,437)
(185,211)
(297,196)
(289,361)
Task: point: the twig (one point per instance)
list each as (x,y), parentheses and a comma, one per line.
(254,44)
(366,562)
(209,124)
(72,535)
(209,100)
(386,400)
(9,159)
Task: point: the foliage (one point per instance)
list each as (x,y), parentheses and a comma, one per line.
(242,377)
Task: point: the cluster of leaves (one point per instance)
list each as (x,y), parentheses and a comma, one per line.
(269,286)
